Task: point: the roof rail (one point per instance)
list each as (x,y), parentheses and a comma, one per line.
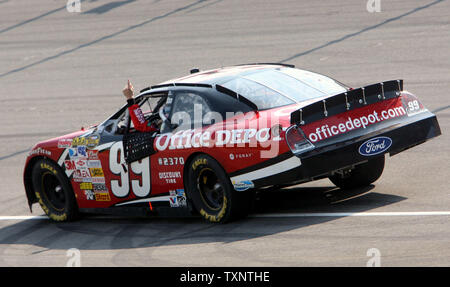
(162,86)
(176,85)
(144,90)
(275,64)
(193,85)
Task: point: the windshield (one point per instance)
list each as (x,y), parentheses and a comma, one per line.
(149,104)
(283,86)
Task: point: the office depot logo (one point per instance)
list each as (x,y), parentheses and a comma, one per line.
(220,138)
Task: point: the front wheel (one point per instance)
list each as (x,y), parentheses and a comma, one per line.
(212,193)
(53,191)
(362,175)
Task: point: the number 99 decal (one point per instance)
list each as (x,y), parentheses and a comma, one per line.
(118,166)
(413,106)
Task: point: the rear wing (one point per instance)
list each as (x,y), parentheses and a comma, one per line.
(347,101)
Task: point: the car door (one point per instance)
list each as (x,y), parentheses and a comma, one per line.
(175,143)
(124,182)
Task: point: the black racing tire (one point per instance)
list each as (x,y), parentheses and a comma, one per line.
(362,175)
(53,191)
(211,192)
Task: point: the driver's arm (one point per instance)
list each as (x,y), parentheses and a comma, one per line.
(139,121)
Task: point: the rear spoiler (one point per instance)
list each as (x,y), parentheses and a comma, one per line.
(347,101)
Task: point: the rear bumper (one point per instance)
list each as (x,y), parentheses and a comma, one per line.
(344,154)
(323,160)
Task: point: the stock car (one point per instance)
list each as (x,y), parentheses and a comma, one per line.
(223,135)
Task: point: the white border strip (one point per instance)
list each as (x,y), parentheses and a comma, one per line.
(151,199)
(274,169)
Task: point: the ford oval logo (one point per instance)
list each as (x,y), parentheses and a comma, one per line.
(375,146)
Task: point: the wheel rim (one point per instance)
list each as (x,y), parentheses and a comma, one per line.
(211,189)
(53,191)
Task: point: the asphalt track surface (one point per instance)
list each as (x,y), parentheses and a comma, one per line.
(60,71)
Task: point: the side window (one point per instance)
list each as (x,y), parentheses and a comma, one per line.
(188,111)
(149,106)
(262,96)
(120,122)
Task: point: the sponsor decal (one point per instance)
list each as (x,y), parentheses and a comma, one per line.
(70,165)
(139,115)
(173,201)
(92,141)
(89,195)
(77,152)
(82,179)
(357,119)
(40,151)
(80,163)
(85,185)
(99,187)
(225,137)
(170,174)
(98,180)
(94,164)
(79,141)
(170,177)
(82,175)
(196,139)
(102,196)
(240,156)
(81,151)
(96,172)
(92,154)
(243,185)
(375,146)
(64,143)
(177,198)
(73,153)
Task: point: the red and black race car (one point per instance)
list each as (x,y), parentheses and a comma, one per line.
(224,134)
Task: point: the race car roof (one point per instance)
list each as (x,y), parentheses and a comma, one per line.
(261,86)
(221,75)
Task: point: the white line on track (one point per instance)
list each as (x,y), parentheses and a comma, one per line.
(345,214)
(22,217)
(275,215)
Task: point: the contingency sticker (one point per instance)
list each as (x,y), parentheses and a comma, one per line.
(177,198)
(243,185)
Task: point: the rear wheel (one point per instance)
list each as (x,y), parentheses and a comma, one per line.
(212,193)
(53,191)
(362,175)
